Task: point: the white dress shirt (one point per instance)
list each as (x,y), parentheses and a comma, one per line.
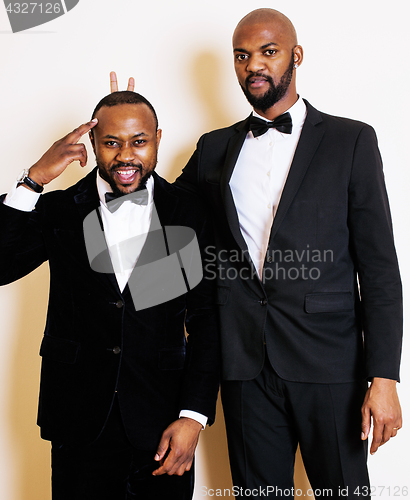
(128,221)
(258,180)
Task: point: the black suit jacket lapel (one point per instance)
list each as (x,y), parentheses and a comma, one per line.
(86,198)
(234,148)
(310,138)
(165,200)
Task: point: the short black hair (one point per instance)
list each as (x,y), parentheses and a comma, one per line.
(124,97)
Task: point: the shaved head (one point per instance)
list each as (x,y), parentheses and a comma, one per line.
(266,53)
(270,16)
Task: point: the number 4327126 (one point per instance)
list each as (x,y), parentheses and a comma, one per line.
(32,7)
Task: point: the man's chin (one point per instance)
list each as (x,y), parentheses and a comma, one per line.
(126,189)
(256,99)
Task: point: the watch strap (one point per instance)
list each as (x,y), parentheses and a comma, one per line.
(32,184)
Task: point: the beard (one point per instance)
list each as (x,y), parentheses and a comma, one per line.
(275,92)
(116,191)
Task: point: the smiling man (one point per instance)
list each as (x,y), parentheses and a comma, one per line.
(308,357)
(123,394)
(117,163)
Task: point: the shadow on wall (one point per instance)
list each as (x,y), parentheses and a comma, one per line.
(32,453)
(205,70)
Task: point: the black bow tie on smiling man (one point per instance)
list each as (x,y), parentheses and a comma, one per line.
(282,123)
(114,201)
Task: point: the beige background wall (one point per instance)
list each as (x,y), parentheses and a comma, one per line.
(355,65)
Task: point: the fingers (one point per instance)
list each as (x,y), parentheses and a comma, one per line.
(176,463)
(377,440)
(131,84)
(73,152)
(113,82)
(177,447)
(78,152)
(395,430)
(74,136)
(163,446)
(381,404)
(383,430)
(366,422)
(381,434)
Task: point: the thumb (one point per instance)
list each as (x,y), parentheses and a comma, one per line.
(366,423)
(162,447)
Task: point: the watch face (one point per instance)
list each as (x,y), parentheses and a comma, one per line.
(23,174)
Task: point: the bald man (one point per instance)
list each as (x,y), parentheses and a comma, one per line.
(302,220)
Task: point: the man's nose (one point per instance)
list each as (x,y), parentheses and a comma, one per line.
(126,154)
(255,64)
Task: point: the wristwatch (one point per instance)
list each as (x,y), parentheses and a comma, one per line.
(23,178)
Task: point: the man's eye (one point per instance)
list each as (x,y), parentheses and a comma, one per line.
(111,144)
(271,52)
(139,142)
(241,57)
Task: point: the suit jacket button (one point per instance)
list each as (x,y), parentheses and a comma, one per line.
(116,350)
(119,304)
(263,302)
(269,259)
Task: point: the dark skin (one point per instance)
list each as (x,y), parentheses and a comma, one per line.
(263,44)
(125,143)
(67,149)
(124,135)
(114,83)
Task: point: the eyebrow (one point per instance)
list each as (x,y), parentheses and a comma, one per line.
(261,48)
(108,136)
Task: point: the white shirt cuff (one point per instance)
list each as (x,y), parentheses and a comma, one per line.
(21,198)
(202,419)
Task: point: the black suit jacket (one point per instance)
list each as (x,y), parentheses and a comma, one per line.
(331,230)
(95,343)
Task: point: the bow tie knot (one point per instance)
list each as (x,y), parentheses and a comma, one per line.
(114,201)
(282,123)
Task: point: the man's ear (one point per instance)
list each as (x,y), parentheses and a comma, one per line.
(159,135)
(297,55)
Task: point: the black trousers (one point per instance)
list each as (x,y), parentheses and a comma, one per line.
(112,469)
(266,418)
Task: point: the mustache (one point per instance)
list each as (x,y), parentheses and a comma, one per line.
(127,165)
(258,75)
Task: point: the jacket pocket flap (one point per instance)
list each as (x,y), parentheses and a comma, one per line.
(61,350)
(172,358)
(328,302)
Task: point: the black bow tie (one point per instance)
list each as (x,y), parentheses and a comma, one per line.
(114,201)
(282,123)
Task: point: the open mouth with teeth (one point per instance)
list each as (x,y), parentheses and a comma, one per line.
(126,176)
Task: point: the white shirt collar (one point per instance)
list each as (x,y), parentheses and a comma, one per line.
(103,187)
